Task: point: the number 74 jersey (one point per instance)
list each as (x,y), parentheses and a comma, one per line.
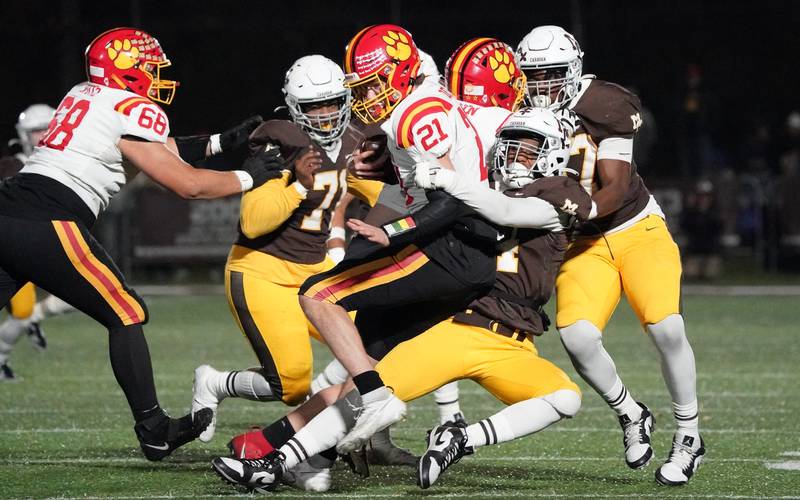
(80,148)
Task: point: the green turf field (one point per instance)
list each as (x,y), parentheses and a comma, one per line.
(65,430)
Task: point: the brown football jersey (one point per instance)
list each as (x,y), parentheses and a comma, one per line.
(301,238)
(606,110)
(528,263)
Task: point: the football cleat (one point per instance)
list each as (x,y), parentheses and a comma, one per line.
(374,417)
(36,336)
(636,438)
(356,460)
(6,373)
(260,474)
(457,420)
(306,477)
(446,446)
(204,396)
(251,444)
(382,451)
(160,435)
(684,460)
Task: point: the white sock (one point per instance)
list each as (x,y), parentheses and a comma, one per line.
(687,418)
(517,420)
(333,374)
(323,431)
(446,398)
(584,344)
(249,384)
(378,394)
(677,358)
(11,330)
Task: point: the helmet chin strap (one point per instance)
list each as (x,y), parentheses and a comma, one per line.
(517,182)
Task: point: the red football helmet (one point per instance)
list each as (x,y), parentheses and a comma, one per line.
(380,65)
(130,59)
(483,71)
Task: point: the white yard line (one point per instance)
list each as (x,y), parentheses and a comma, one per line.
(792,465)
(509,494)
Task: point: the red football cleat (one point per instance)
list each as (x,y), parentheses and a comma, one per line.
(250,445)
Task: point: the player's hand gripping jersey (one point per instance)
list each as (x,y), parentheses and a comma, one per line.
(608,117)
(80,148)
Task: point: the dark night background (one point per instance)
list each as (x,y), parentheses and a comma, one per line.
(230,57)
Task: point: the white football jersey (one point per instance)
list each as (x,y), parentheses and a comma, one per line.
(80,148)
(431,122)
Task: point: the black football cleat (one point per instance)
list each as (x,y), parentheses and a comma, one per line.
(458,420)
(260,474)
(636,438)
(36,336)
(446,446)
(6,373)
(684,460)
(160,435)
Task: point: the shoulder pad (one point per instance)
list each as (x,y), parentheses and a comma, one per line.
(609,110)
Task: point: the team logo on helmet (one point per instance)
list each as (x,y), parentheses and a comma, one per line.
(123,54)
(397,45)
(503,65)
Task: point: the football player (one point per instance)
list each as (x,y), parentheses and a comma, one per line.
(490,342)
(625,247)
(102,127)
(283,229)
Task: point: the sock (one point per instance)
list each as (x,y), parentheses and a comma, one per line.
(323,431)
(446,398)
(677,358)
(333,374)
(278,433)
(687,418)
(130,361)
(621,401)
(517,420)
(51,306)
(249,384)
(367,382)
(11,330)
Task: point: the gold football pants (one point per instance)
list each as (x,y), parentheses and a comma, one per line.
(643,261)
(262,294)
(511,370)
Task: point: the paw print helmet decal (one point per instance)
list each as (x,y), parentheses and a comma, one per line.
(130,59)
(484,71)
(381,63)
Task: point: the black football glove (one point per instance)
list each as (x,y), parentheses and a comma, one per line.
(237,136)
(264,166)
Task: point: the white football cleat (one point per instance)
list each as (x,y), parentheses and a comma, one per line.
(261,475)
(205,396)
(446,446)
(308,478)
(374,417)
(636,438)
(684,460)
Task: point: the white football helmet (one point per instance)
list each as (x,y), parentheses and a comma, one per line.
(35,118)
(530,144)
(313,80)
(552,61)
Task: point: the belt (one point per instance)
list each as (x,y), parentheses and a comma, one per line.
(470,317)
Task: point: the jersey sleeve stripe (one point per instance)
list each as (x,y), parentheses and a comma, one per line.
(98,274)
(456,80)
(126,106)
(414,113)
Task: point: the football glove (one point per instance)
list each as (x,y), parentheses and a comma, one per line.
(263,166)
(234,137)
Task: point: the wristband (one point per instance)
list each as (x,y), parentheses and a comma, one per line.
(336,254)
(337,232)
(300,189)
(399,226)
(216,147)
(593,212)
(245,179)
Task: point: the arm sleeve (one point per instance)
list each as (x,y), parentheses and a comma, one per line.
(364,189)
(499,208)
(616,148)
(441,212)
(192,148)
(265,208)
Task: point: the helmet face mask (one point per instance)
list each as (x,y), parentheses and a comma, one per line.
(553,63)
(381,64)
(317,98)
(530,144)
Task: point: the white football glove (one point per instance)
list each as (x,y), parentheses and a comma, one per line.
(425,174)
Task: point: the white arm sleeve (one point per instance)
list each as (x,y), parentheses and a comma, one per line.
(501,209)
(615,148)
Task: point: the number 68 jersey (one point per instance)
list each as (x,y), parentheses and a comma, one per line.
(80,148)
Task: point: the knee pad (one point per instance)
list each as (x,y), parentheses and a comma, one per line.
(668,334)
(565,401)
(581,338)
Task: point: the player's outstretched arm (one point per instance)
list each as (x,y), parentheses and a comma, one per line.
(169,170)
(195,148)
